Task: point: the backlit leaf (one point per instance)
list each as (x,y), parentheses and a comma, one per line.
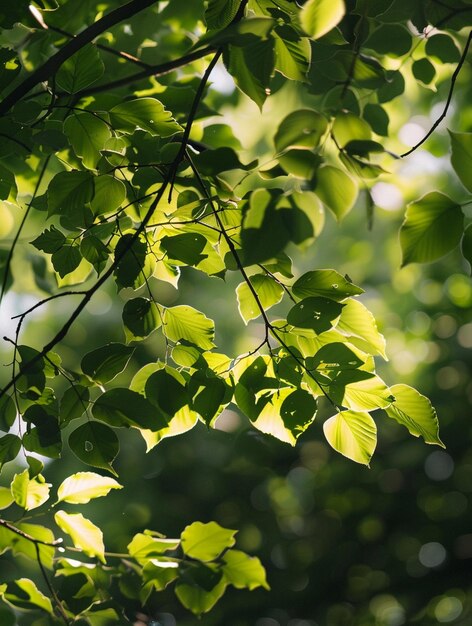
(206,542)
(415,412)
(318,17)
(103,364)
(353,434)
(185,322)
(84,534)
(82,487)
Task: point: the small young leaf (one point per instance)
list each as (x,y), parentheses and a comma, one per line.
(85,535)
(353,434)
(269,292)
(82,487)
(29,493)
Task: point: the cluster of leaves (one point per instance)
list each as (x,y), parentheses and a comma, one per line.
(202,561)
(134,182)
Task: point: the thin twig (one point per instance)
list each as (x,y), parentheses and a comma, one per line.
(20,228)
(52,591)
(448,101)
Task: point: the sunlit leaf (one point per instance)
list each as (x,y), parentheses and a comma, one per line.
(415,412)
(243,571)
(432,227)
(82,487)
(353,434)
(268,291)
(185,322)
(318,17)
(206,542)
(84,534)
(29,493)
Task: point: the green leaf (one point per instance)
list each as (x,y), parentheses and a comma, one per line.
(300,163)
(251,67)
(184,249)
(466,245)
(45,438)
(300,129)
(220,13)
(433,226)
(243,571)
(209,394)
(23,594)
(461,157)
(130,256)
(95,252)
(286,414)
(415,412)
(87,134)
(74,403)
(335,357)
(206,542)
(292,53)
(442,48)
(109,194)
(268,290)
(49,240)
(316,313)
(352,434)
(80,70)
(318,17)
(377,118)
(198,600)
(147,114)
(336,189)
(6,498)
(423,70)
(390,39)
(125,408)
(84,534)
(95,444)
(69,192)
(82,487)
(348,127)
(10,540)
(10,445)
(29,493)
(145,546)
(360,391)
(105,363)
(7,412)
(326,283)
(186,323)
(140,317)
(212,162)
(66,260)
(357,321)
(165,391)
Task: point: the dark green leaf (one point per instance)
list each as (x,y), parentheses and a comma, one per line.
(130,256)
(80,70)
(66,260)
(300,129)
(219,13)
(7,412)
(443,48)
(45,438)
(423,70)
(95,252)
(74,403)
(104,363)
(165,391)
(69,191)
(186,249)
(212,162)
(50,240)
(95,444)
(316,313)
(140,317)
(10,445)
(147,114)
(125,408)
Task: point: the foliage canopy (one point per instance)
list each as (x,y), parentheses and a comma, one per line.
(112,148)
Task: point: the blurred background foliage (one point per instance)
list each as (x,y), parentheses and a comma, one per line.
(343,545)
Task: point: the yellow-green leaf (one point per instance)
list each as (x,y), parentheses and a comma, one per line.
(244,571)
(206,542)
(82,487)
(352,434)
(29,493)
(415,412)
(318,17)
(84,534)
(268,290)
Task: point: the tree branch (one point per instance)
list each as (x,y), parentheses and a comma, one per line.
(448,101)
(51,66)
